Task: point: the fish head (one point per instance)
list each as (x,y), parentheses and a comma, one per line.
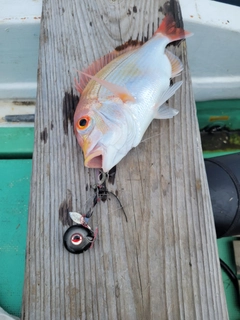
(103,132)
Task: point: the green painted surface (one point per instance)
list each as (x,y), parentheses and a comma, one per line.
(16,142)
(14,196)
(211,154)
(223,113)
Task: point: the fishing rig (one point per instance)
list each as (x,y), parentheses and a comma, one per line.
(80,237)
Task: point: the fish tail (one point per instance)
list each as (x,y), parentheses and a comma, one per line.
(169,29)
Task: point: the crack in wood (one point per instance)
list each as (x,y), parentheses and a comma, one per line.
(134,9)
(128,43)
(44,135)
(173,7)
(64,209)
(112,175)
(70,102)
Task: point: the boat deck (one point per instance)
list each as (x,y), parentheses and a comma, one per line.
(164,259)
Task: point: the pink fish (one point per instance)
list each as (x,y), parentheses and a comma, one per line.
(122,92)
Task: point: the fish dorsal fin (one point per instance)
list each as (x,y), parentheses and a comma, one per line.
(97,65)
(117,90)
(177,66)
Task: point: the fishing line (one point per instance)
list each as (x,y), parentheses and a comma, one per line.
(121,206)
(118,200)
(101,192)
(156,135)
(232,276)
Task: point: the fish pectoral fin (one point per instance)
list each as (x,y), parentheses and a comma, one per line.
(168,93)
(176,64)
(162,111)
(165,112)
(117,90)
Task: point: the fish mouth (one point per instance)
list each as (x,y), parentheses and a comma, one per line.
(94,159)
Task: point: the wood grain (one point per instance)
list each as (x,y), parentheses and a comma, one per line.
(163,262)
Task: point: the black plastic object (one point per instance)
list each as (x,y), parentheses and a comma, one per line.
(223,175)
(78,239)
(20,118)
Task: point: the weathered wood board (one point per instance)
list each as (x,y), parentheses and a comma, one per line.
(163,262)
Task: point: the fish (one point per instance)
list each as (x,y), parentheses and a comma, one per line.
(122,92)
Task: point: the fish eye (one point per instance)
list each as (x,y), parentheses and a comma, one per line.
(83,122)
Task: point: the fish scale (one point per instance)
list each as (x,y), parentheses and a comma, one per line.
(136,65)
(124,95)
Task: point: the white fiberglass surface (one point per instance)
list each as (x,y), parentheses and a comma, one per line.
(19,41)
(212,52)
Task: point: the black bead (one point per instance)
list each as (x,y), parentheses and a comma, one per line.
(78,239)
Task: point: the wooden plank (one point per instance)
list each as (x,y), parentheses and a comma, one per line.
(163,262)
